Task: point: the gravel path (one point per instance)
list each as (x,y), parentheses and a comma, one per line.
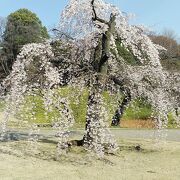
(169,134)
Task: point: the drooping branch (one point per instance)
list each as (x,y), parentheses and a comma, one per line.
(121,108)
(122,105)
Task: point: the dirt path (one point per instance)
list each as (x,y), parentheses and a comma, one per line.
(169,134)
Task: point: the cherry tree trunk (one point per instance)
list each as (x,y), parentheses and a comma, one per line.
(101,57)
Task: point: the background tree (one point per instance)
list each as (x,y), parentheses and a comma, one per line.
(170,59)
(169,43)
(22,27)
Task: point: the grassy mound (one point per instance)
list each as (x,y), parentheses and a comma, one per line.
(137,111)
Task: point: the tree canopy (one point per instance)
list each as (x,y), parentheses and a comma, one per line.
(24,27)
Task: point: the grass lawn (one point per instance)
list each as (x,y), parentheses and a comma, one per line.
(157,161)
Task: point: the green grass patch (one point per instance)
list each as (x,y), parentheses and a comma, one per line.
(138,109)
(78,103)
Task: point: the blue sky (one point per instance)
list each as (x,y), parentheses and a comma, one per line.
(156,14)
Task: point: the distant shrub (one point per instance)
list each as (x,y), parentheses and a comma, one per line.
(171,121)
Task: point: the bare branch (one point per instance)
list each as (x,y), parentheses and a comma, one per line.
(96,18)
(62,34)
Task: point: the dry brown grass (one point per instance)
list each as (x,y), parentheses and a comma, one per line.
(139,123)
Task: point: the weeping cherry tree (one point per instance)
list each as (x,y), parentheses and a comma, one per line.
(87,54)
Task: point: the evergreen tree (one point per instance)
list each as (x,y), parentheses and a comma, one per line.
(22,27)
